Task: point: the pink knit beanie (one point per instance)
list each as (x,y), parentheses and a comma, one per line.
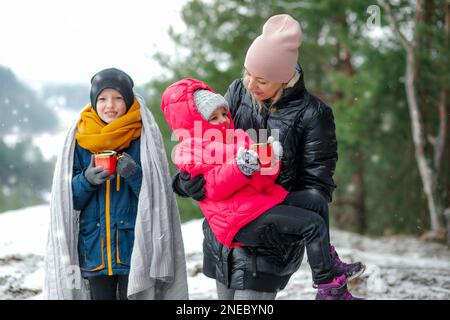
(274,54)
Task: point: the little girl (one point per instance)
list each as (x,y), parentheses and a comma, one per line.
(241,201)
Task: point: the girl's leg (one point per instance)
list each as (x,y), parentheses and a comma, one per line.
(312,200)
(254,295)
(298,222)
(223,292)
(103,287)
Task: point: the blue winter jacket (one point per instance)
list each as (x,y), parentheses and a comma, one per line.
(106,250)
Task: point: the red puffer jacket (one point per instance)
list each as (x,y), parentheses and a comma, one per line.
(232,199)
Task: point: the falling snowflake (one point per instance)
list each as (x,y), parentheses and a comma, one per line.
(64,259)
(7,191)
(67,177)
(60,235)
(386,124)
(351,188)
(30,156)
(375,158)
(12,180)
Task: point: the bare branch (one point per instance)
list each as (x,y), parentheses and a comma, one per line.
(405,42)
(431,139)
(427,175)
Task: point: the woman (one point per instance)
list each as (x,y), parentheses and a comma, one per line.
(272,96)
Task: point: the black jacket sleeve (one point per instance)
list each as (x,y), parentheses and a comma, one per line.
(320,151)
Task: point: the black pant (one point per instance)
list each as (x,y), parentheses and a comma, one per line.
(312,200)
(108,287)
(297,221)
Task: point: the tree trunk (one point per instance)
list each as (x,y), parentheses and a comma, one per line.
(447,217)
(443,112)
(417,128)
(347,66)
(425,171)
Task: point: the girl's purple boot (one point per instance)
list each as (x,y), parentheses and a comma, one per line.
(335,290)
(350,270)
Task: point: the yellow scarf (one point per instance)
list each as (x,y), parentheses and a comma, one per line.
(96,136)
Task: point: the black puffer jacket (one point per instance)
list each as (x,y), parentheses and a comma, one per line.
(307,134)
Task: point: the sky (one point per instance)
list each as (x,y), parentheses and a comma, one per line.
(50,41)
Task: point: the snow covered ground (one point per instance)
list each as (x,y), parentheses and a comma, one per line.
(397,267)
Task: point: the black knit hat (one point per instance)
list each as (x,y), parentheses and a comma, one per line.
(115,79)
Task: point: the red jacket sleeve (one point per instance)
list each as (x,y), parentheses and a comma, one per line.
(223,180)
(216,162)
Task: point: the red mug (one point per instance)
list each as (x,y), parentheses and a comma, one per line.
(265,154)
(107,159)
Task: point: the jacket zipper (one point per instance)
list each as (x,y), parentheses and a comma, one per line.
(108,226)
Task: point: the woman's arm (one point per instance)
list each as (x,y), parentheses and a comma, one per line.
(320,152)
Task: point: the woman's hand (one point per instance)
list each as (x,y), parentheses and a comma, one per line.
(184,186)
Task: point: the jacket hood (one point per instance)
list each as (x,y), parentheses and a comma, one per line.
(178,106)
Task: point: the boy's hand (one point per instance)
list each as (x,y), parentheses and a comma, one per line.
(96,175)
(247,161)
(126,166)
